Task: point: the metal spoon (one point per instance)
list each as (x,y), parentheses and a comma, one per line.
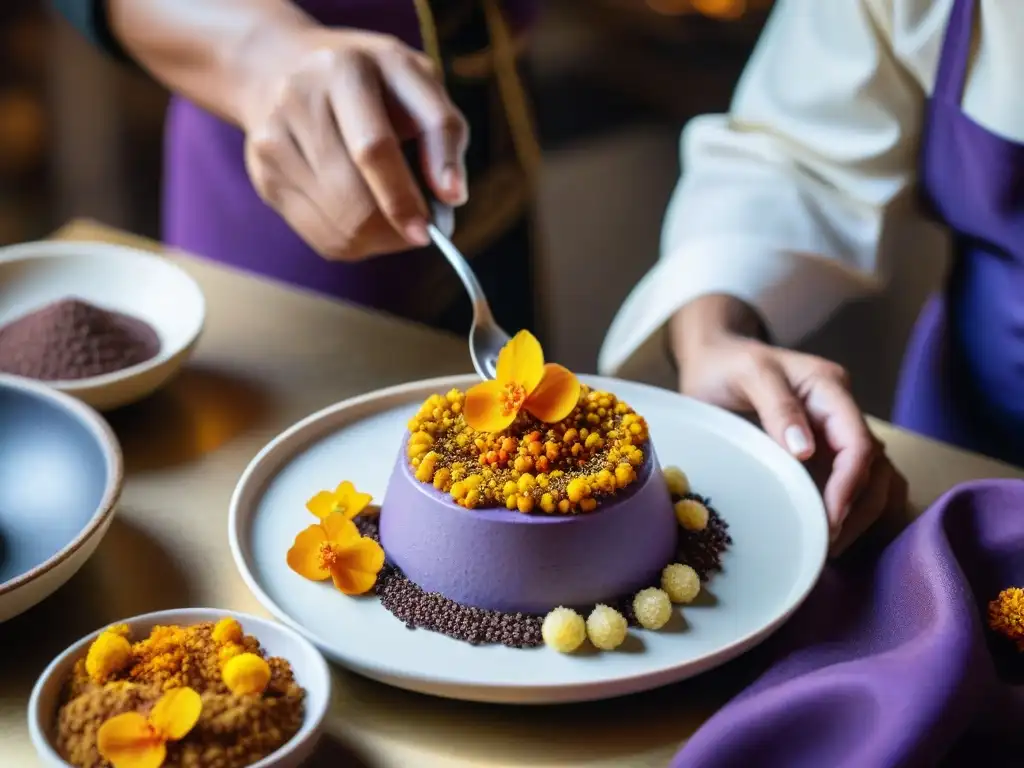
(486,337)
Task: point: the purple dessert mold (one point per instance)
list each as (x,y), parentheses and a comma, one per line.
(503,560)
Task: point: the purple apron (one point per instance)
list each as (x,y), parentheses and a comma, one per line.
(211,209)
(962,380)
(889,664)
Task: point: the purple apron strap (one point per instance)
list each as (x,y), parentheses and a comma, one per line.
(956,53)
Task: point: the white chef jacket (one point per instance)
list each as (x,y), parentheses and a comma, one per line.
(783,201)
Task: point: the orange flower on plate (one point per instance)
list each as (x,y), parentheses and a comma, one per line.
(548,392)
(132,740)
(335,550)
(344,500)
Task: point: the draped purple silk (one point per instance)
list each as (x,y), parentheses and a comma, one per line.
(890,665)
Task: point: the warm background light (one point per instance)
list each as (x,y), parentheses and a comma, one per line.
(717,9)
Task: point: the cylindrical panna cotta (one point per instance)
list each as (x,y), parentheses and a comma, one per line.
(504,560)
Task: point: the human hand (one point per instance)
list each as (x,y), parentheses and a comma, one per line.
(804,403)
(324,138)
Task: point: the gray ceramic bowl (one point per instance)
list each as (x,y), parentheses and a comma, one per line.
(60,477)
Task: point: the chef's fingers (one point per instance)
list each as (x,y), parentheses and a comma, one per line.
(276,158)
(357,101)
(275,162)
(443,131)
(831,406)
(315,227)
(766,387)
(872,502)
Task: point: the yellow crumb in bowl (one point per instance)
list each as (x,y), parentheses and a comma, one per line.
(228,730)
(606,628)
(227,631)
(563,630)
(680,582)
(692,515)
(109,653)
(652,607)
(676,480)
(246,674)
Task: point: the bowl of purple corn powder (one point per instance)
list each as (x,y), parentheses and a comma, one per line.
(104,323)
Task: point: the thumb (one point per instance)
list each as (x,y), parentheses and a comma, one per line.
(779,409)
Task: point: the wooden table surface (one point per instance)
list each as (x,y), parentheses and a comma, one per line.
(269,356)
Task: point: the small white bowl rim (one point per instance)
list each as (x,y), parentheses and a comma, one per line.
(45,249)
(312,722)
(111,449)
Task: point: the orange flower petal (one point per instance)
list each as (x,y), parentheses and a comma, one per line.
(339,530)
(521,361)
(129,741)
(350,501)
(556,396)
(364,555)
(484,409)
(322,504)
(352,582)
(304,556)
(176,713)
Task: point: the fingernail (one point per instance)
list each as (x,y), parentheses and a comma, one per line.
(451,180)
(796,440)
(416,232)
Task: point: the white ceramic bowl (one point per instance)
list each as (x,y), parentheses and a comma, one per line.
(61,475)
(311,672)
(143,285)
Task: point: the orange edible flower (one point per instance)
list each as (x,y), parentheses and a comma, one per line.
(344,499)
(548,392)
(334,549)
(132,740)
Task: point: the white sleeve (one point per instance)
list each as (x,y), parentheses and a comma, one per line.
(782,202)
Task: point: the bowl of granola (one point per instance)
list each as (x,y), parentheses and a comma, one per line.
(193,687)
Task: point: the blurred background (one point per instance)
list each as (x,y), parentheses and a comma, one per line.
(617,80)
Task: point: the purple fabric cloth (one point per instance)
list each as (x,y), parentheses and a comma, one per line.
(211,209)
(963,373)
(890,664)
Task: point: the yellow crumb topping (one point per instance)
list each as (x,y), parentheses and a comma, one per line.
(563,630)
(680,582)
(606,628)
(652,607)
(561,468)
(109,653)
(1006,615)
(691,514)
(676,480)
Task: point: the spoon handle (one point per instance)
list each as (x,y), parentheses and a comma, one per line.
(440,228)
(481,309)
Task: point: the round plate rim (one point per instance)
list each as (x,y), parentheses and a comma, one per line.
(483,692)
(47,249)
(111,449)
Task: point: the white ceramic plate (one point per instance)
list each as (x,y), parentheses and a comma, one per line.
(308,665)
(113,277)
(775,514)
(60,478)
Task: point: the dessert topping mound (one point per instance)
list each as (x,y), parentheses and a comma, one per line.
(531,466)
